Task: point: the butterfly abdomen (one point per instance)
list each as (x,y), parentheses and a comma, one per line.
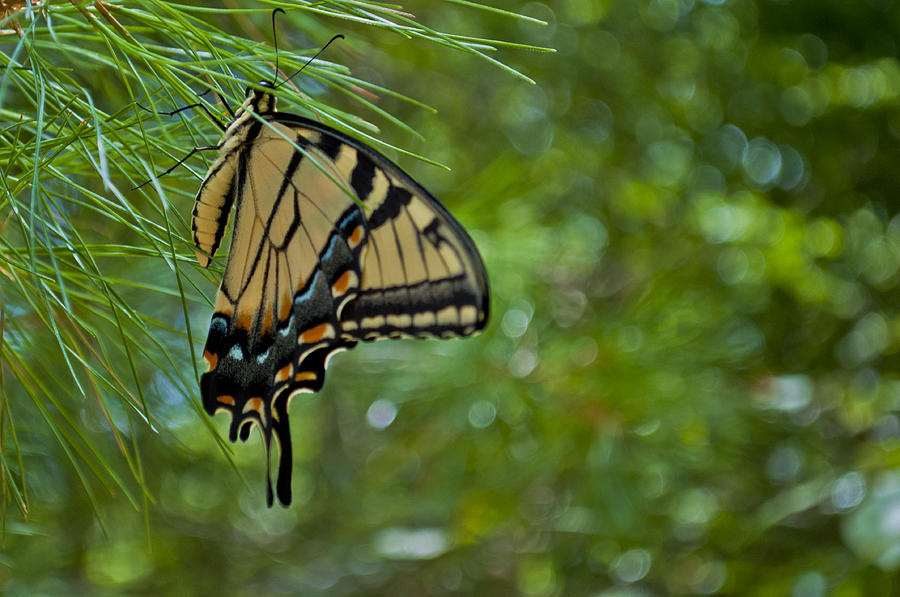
(212,208)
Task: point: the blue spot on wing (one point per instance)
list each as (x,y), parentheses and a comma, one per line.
(310,289)
(218,324)
(330,250)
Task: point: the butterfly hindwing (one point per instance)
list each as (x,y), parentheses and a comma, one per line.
(319,260)
(422,275)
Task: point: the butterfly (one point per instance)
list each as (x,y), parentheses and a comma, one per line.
(332,244)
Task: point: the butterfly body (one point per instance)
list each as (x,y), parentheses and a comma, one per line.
(331,245)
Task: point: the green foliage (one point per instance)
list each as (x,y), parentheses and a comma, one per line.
(689,383)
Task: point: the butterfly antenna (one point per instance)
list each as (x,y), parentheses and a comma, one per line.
(308,62)
(275,42)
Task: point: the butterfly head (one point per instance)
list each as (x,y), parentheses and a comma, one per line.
(261,100)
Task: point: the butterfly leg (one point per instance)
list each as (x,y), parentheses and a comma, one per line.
(178,163)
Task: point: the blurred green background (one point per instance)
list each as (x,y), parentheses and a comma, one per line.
(689,384)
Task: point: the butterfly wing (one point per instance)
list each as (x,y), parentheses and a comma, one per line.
(312,269)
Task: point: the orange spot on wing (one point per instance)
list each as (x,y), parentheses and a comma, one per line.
(356,236)
(305,376)
(341,284)
(229,400)
(255,404)
(211,358)
(284,373)
(313,335)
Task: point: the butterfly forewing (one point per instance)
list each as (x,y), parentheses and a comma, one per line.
(313,269)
